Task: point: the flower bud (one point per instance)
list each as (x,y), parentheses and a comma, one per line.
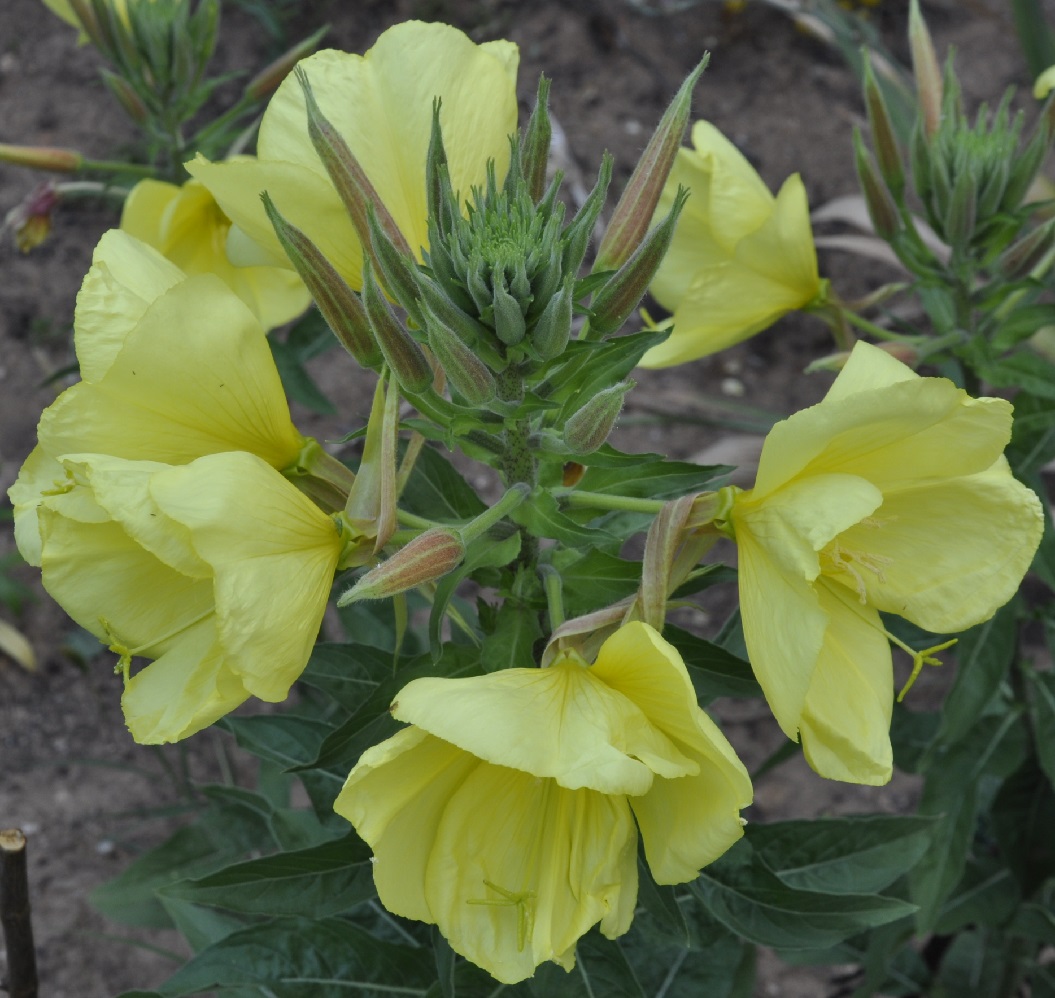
(42,158)
(576,236)
(268,79)
(467,329)
(398,271)
(468,375)
(534,153)
(553,328)
(339,304)
(508,319)
(353,187)
(962,214)
(126,96)
(428,557)
(620,295)
(402,354)
(926,71)
(880,204)
(1021,257)
(590,426)
(887,153)
(633,214)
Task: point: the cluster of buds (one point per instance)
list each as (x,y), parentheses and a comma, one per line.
(489,310)
(970,177)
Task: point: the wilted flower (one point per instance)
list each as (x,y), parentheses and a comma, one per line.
(740,258)
(381,105)
(30,221)
(218,570)
(506,813)
(889,495)
(186,226)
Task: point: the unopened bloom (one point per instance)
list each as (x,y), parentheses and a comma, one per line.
(381,104)
(173,368)
(219,571)
(186,225)
(740,258)
(890,495)
(505,814)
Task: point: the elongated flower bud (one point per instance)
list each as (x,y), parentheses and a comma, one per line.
(534,152)
(402,353)
(339,304)
(468,329)
(590,426)
(633,214)
(353,186)
(42,158)
(1021,257)
(468,375)
(576,237)
(268,79)
(428,557)
(887,152)
(508,319)
(397,270)
(553,328)
(925,69)
(881,207)
(618,298)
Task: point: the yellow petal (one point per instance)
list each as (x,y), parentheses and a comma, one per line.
(784,629)
(953,551)
(867,368)
(738,201)
(395,798)
(40,473)
(194,377)
(112,605)
(558,722)
(185,690)
(687,822)
(273,554)
(521,868)
(845,725)
(125,278)
(895,437)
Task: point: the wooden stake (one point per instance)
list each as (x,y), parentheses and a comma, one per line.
(14,915)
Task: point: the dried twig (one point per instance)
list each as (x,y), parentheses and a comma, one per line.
(14,916)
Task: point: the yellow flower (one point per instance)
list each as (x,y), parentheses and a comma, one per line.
(381,104)
(187,227)
(889,495)
(218,570)
(740,258)
(174,368)
(505,813)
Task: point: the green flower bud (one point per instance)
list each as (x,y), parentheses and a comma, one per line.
(397,270)
(577,235)
(553,328)
(508,319)
(620,295)
(926,71)
(430,556)
(881,207)
(633,214)
(534,152)
(404,357)
(1019,259)
(887,152)
(589,427)
(962,213)
(339,304)
(466,372)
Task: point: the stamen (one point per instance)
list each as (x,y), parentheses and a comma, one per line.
(849,561)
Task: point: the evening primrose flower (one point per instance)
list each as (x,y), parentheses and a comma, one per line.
(219,571)
(740,258)
(173,368)
(381,104)
(505,814)
(889,495)
(186,225)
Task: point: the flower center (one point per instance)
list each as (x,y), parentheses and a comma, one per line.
(521,900)
(838,557)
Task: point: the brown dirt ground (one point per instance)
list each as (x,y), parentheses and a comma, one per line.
(90,799)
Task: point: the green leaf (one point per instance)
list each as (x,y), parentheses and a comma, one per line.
(437,491)
(986,895)
(1032,436)
(1041,687)
(348,673)
(753,903)
(594,579)
(512,644)
(541,516)
(1036,922)
(200,926)
(1022,370)
(1022,323)
(306,958)
(984,654)
(975,965)
(324,880)
(951,794)
(648,476)
(296,380)
(714,671)
(283,738)
(858,855)
(1023,817)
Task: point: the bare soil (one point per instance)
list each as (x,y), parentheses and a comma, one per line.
(87,797)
